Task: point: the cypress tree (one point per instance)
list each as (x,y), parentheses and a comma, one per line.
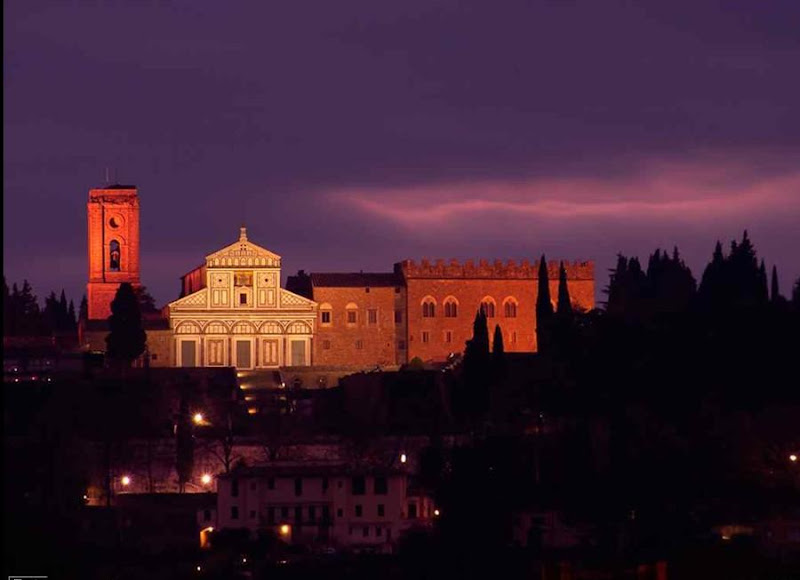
(63,312)
(775,295)
(71,316)
(126,340)
(83,309)
(564,307)
(762,294)
(544,308)
(6,309)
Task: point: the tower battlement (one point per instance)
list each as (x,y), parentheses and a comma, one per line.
(498,269)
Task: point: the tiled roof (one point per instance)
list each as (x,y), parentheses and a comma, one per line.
(356,279)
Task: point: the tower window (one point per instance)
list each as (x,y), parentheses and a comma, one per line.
(114,256)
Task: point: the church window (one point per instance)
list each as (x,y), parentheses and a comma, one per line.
(450,307)
(216,352)
(510,307)
(372,316)
(243,278)
(428,307)
(114,256)
(487,304)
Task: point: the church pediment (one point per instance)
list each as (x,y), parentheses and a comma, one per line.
(292,300)
(243,253)
(194,300)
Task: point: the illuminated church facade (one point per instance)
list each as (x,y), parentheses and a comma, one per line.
(233,312)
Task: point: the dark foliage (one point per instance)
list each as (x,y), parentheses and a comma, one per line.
(127,339)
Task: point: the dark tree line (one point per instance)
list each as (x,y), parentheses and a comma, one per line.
(23,316)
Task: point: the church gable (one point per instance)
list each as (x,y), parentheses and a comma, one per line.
(294,301)
(243,253)
(193,301)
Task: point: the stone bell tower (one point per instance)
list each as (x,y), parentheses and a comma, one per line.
(113,214)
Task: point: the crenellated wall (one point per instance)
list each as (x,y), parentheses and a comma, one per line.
(498,269)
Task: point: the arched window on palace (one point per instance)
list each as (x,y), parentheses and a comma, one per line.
(450,307)
(510,307)
(428,308)
(113,256)
(488,306)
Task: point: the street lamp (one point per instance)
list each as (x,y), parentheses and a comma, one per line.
(126,481)
(206,479)
(403,458)
(793,458)
(198,418)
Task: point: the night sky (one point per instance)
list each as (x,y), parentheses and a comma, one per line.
(350,135)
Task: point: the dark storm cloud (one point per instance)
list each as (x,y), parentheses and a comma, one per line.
(471,129)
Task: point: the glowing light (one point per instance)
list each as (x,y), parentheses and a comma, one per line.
(403,458)
(198,418)
(85,497)
(793,457)
(252,411)
(126,481)
(206,479)
(285,529)
(436,513)
(244,560)
(199,568)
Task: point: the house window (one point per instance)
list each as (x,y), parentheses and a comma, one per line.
(510,308)
(448,336)
(312,514)
(372,316)
(398,317)
(426,336)
(234,512)
(428,308)
(359,510)
(339,513)
(271,515)
(450,308)
(234,488)
(381,486)
(488,307)
(298,514)
(298,486)
(326,345)
(360,344)
(381,510)
(326,513)
(366,531)
(271,483)
(324,484)
(412,511)
(359,485)
(284,512)
(325,316)
(352,314)
(378,531)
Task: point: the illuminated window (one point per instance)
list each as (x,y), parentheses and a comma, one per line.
(450,307)
(325,316)
(510,307)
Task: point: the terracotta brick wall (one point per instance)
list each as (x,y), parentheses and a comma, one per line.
(336,343)
(469,284)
